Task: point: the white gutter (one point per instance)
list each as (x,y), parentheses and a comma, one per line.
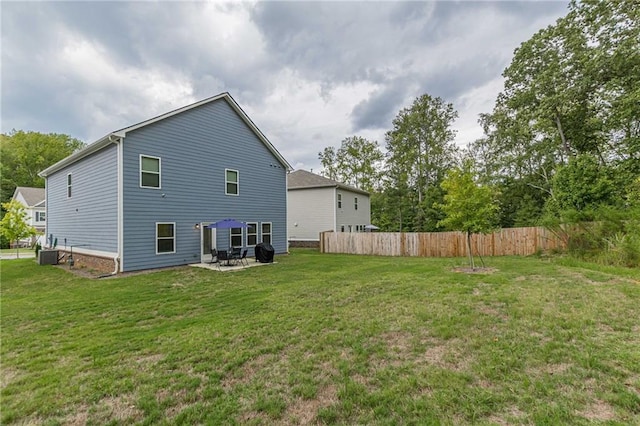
(117,139)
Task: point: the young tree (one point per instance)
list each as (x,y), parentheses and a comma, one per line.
(13,225)
(469,207)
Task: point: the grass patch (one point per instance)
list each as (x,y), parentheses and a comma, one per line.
(20,250)
(323,339)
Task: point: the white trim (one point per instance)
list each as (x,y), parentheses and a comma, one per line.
(106,140)
(89,252)
(246,237)
(270,233)
(120,166)
(69,185)
(175,242)
(242,236)
(237,182)
(140,171)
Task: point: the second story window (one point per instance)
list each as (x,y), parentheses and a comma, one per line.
(356,203)
(40,217)
(339,201)
(149,172)
(69,185)
(232,184)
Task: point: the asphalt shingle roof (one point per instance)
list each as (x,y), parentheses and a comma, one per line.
(303,179)
(31,195)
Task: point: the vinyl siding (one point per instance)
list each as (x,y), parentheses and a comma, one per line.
(348,215)
(195,148)
(89,218)
(311,211)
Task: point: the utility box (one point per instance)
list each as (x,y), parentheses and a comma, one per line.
(48,257)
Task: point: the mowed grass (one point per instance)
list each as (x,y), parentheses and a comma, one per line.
(323,339)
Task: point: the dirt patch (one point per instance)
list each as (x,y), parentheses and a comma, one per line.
(303,411)
(8,375)
(598,411)
(247,372)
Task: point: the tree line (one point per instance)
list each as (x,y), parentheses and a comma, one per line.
(561,146)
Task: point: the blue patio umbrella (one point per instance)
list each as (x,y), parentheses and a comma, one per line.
(227,224)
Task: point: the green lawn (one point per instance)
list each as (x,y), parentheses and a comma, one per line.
(333,339)
(21,250)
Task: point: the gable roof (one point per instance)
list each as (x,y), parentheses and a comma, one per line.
(302,179)
(118,134)
(33,196)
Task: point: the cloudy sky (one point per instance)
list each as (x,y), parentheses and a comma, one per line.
(309,74)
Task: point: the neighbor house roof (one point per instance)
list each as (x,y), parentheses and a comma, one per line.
(302,179)
(33,196)
(113,136)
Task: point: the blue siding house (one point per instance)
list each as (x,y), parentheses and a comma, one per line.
(140,197)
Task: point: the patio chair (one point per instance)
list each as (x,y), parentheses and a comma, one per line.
(234,253)
(243,258)
(214,257)
(223,256)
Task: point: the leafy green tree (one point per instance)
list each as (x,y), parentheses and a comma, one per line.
(420,150)
(468,206)
(582,186)
(25,154)
(357,163)
(329,163)
(13,225)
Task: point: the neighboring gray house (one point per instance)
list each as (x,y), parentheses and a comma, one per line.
(318,204)
(33,201)
(141,196)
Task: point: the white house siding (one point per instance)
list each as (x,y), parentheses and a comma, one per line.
(89,218)
(310,212)
(347,215)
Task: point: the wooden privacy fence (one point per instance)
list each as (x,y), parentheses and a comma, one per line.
(505,242)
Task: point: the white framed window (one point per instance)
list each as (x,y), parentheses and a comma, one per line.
(231,182)
(266,232)
(150,169)
(69,185)
(40,217)
(252,234)
(235,236)
(339,201)
(165,237)
(355,204)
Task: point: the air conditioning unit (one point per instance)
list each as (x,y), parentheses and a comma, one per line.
(48,257)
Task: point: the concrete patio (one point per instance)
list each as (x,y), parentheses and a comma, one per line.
(236,267)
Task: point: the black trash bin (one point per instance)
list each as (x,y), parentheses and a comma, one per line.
(264,253)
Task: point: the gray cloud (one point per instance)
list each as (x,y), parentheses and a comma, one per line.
(310,73)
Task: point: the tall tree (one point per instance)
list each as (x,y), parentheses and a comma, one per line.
(420,150)
(329,162)
(469,206)
(357,162)
(13,225)
(572,89)
(25,154)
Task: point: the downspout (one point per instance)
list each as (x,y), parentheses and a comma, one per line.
(117,260)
